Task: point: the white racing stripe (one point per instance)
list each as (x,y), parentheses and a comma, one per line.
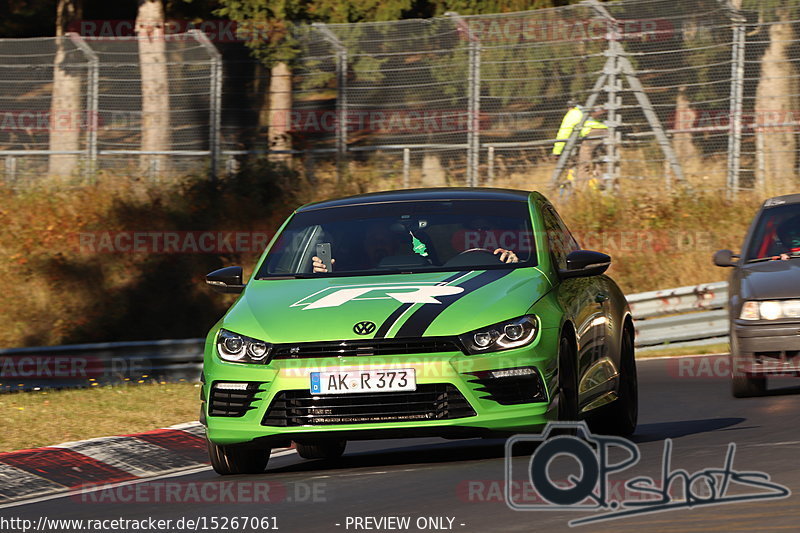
(643,359)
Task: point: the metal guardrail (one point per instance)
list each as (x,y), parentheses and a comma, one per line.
(81,365)
(685,316)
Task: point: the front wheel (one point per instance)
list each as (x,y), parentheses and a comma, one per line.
(567,387)
(621,415)
(321,449)
(230,460)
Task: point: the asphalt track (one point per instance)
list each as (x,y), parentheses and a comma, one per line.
(686,400)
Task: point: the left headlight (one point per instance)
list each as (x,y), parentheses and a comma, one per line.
(501,336)
(770,309)
(240,348)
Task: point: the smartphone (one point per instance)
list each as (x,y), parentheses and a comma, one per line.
(324,253)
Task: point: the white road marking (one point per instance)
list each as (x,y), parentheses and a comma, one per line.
(643,359)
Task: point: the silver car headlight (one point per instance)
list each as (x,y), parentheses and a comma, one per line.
(501,336)
(240,348)
(770,309)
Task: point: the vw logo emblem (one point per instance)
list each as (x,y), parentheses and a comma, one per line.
(365,327)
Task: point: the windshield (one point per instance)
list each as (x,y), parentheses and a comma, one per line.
(404,237)
(777,232)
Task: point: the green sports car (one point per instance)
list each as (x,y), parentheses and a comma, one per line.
(441,312)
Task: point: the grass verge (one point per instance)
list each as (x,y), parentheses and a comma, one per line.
(51,417)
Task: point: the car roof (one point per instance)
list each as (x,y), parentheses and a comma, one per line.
(782,200)
(415,195)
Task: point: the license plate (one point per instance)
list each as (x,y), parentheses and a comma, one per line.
(352,381)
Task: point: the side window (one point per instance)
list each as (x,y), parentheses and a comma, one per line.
(559,237)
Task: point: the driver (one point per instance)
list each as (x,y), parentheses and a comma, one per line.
(789,235)
(380,242)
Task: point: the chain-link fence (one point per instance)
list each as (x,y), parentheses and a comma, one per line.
(625,94)
(702,92)
(77,107)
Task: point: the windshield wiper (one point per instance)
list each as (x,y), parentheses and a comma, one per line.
(286,276)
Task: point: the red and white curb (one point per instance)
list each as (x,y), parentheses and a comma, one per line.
(31,474)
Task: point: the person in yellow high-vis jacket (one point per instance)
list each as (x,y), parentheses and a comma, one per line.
(591,135)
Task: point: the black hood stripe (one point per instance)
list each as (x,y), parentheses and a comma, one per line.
(384,328)
(419,321)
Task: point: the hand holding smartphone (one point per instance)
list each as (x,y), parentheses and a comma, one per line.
(324,254)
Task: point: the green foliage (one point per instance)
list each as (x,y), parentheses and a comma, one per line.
(274,40)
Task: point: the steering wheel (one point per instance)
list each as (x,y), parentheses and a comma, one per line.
(469,258)
(473,250)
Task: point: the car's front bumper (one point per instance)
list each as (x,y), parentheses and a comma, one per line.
(452,368)
(767,348)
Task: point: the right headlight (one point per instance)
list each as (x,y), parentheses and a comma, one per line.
(240,348)
(770,309)
(501,336)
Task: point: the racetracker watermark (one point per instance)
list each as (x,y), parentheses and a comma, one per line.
(205,492)
(723,366)
(218,31)
(590,488)
(382,120)
(43,121)
(765,120)
(173,242)
(424,367)
(540,29)
(635,241)
(493,491)
(71,367)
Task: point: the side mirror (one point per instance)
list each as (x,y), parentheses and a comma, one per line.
(725,258)
(585,263)
(226,280)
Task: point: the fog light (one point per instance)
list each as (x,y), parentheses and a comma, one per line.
(513,372)
(223,385)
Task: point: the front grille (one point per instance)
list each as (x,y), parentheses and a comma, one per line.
(511,390)
(233,403)
(366,347)
(438,401)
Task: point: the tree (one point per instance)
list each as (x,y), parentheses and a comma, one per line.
(155,81)
(267,24)
(65,104)
(773,101)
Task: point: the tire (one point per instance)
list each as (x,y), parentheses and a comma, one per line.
(231,460)
(329,449)
(620,417)
(568,410)
(743,385)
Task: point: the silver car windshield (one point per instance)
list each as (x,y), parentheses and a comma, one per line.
(776,232)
